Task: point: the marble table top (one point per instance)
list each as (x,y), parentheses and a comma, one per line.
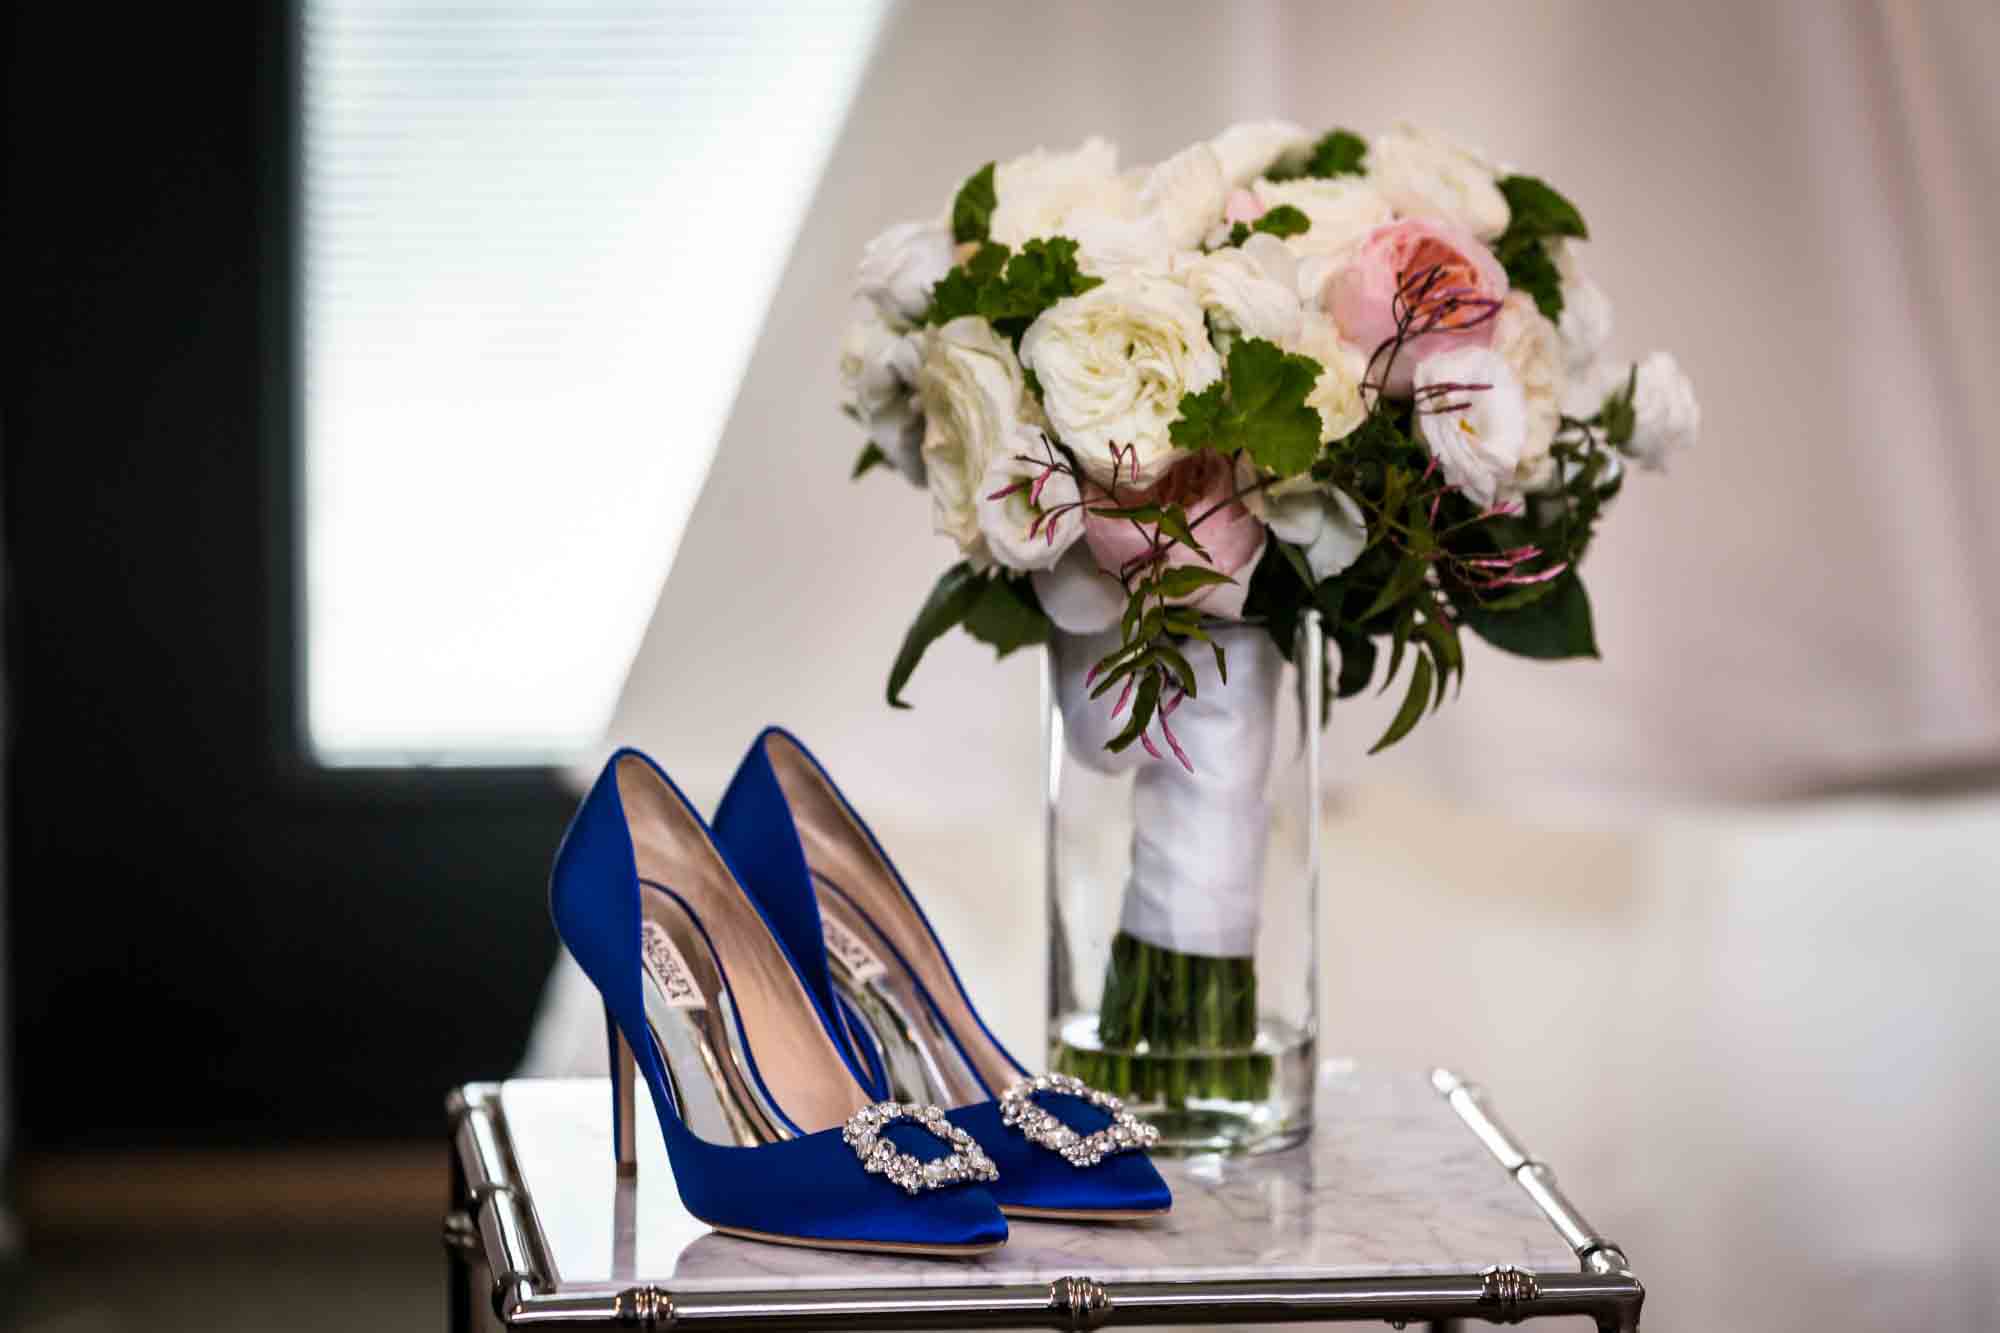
(1391,1182)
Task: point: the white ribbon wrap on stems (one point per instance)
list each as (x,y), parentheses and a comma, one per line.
(1198,839)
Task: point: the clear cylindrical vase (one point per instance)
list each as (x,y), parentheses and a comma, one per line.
(1184,897)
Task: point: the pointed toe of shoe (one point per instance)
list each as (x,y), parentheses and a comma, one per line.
(814,1191)
(1035,1182)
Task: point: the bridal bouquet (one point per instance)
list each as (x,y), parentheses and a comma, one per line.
(1271,374)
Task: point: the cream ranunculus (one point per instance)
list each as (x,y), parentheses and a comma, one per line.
(899,268)
(1253,148)
(1666,415)
(1027,509)
(879,368)
(1476,432)
(971,387)
(1252,290)
(1426,175)
(1113,365)
(1336,395)
(1533,350)
(1342,210)
(1035,194)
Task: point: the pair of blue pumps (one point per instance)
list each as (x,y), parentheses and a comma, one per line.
(819,1074)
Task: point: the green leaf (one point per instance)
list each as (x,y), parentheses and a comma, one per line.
(1357,663)
(1398,642)
(1618,416)
(972,209)
(1557,626)
(1338,153)
(1534,209)
(1007,616)
(1265,415)
(1284,220)
(1536,213)
(1531,270)
(1143,703)
(1297,560)
(1414,702)
(949,603)
(871,456)
(1409,576)
(1181,580)
(1043,273)
(957,292)
(1183,671)
(1201,418)
(1221,663)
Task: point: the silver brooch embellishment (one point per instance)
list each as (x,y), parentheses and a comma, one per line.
(1125,1133)
(863,1133)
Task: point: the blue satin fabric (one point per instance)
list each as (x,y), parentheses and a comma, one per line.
(811,1187)
(1032,1176)
(754,823)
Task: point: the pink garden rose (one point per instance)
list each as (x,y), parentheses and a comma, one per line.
(1232,535)
(1462,285)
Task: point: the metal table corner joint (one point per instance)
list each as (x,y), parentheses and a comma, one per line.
(502,1271)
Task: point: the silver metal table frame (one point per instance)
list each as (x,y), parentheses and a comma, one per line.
(498,1279)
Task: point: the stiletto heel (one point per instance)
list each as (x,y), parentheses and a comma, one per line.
(697,989)
(865,948)
(624,1076)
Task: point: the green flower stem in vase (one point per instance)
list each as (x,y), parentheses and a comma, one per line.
(1188,1020)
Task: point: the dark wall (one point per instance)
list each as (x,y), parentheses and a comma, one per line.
(210,939)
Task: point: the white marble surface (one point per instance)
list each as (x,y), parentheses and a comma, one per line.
(1390,1183)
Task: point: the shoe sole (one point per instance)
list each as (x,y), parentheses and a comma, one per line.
(861,1246)
(1083,1214)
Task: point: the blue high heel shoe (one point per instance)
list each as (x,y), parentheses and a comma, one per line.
(770,1132)
(867,951)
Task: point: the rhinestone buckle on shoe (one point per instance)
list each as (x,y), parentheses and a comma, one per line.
(880,1157)
(1125,1133)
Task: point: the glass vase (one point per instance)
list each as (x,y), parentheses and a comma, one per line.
(1184,905)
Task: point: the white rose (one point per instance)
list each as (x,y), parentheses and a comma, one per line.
(1025,530)
(1336,395)
(1341,210)
(1479,445)
(1252,289)
(1666,416)
(899,268)
(1114,363)
(1035,194)
(1325,522)
(879,368)
(1586,314)
(1253,148)
(1167,208)
(1426,175)
(971,387)
(1532,349)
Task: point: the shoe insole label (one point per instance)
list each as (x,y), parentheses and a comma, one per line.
(669,969)
(848,950)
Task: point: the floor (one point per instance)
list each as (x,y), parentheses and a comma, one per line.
(303,1279)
